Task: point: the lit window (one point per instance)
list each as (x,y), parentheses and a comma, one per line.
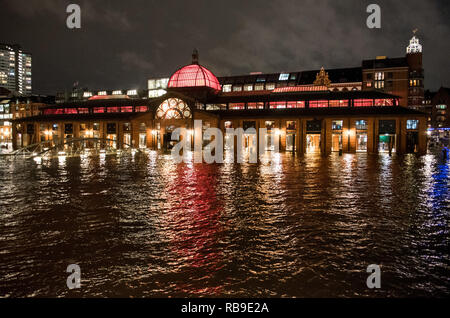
(283,77)
(102,93)
(126,109)
(412,124)
(337,124)
(339,103)
(441,106)
(379,80)
(132,92)
(141,109)
(363,102)
(270,86)
(318,103)
(87,94)
(151,84)
(270,125)
(277,105)
(70,111)
(156,93)
(297,104)
(384,102)
(113,110)
(259,87)
(237,106)
(379,84)
(237,88)
(379,76)
(291,125)
(117,93)
(255,105)
(215,106)
(173,108)
(160,83)
(248,87)
(226,88)
(361,124)
(53,111)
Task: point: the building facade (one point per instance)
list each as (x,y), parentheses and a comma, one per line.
(5,125)
(403,76)
(427,107)
(5,121)
(440,117)
(15,69)
(26,107)
(439,108)
(303,118)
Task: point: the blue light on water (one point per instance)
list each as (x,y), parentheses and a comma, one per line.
(440,189)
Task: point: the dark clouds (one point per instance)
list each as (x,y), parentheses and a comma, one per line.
(122,43)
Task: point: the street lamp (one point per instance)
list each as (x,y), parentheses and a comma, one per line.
(278,133)
(154,134)
(349,134)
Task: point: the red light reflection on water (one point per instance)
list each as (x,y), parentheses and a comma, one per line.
(193,224)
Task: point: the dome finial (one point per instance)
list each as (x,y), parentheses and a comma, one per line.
(195,57)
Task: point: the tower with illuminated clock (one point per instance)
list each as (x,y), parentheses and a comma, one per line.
(416,73)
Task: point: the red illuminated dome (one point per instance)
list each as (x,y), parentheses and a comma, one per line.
(194,75)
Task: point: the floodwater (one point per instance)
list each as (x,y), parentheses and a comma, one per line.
(144,226)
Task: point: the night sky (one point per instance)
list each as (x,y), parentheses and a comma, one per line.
(123,43)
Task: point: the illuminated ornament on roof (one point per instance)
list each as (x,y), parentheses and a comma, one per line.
(322,78)
(414,45)
(194,75)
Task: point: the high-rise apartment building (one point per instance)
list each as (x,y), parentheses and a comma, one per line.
(15,69)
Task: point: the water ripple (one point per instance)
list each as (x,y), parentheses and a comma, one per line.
(302,227)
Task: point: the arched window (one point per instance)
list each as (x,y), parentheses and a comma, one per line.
(173,108)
